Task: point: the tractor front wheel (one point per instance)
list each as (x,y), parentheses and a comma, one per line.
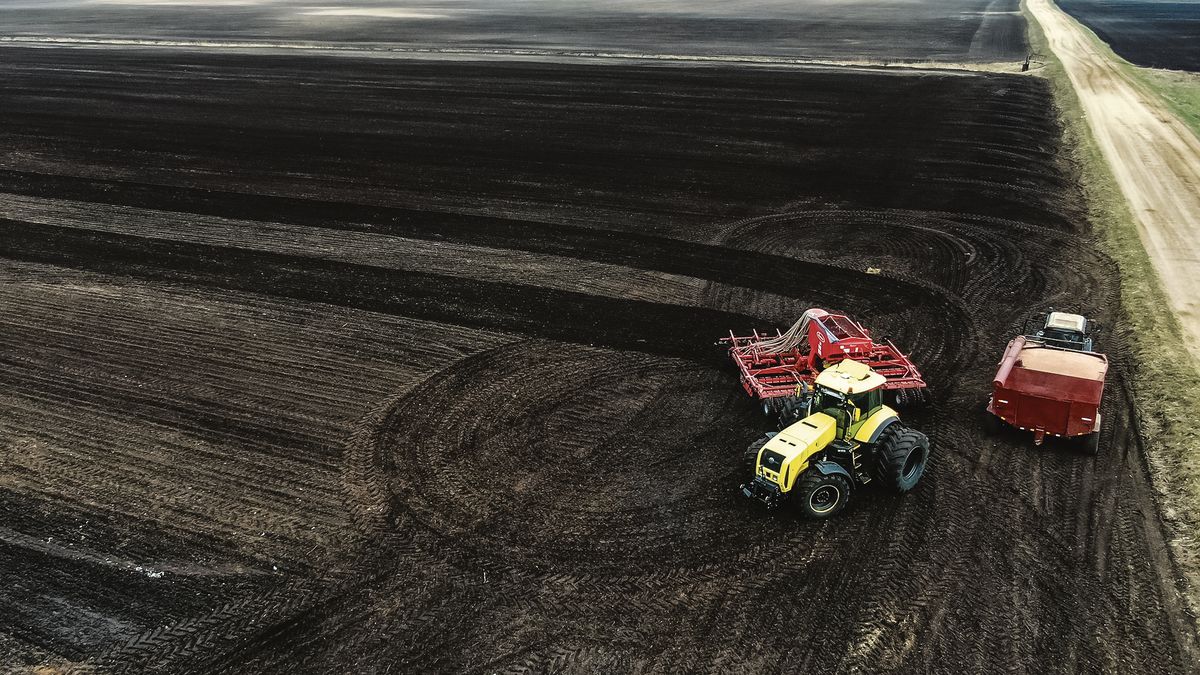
(750,457)
(821,496)
(903,454)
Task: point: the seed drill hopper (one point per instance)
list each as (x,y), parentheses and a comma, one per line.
(779,369)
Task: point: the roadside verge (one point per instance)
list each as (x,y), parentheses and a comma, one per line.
(1165,377)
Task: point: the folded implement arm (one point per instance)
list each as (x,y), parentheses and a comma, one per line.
(779,365)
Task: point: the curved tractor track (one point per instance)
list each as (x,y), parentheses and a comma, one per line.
(345,425)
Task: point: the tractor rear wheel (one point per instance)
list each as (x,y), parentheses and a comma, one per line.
(750,456)
(903,454)
(821,496)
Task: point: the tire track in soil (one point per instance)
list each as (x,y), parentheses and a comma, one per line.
(447,390)
(77,459)
(564,500)
(592,422)
(886,636)
(930,592)
(535,310)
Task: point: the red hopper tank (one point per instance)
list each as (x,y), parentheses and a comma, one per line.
(1049,390)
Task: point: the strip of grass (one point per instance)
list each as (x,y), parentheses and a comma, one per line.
(1180,90)
(1165,378)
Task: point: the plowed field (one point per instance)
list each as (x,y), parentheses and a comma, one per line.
(328,365)
(876,30)
(1150,33)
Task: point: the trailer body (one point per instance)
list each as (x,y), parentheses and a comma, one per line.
(1049,390)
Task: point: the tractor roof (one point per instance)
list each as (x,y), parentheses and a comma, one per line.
(1065,321)
(850,377)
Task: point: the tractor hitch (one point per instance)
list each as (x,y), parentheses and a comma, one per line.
(764,491)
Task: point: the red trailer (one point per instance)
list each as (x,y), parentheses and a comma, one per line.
(1049,390)
(776,368)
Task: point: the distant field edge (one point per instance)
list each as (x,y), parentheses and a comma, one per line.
(1179,90)
(1165,378)
(518,54)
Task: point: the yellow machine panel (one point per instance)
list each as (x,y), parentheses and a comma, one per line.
(850,377)
(852,439)
(795,444)
(868,428)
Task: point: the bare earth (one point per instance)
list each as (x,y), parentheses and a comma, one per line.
(360,365)
(1154,156)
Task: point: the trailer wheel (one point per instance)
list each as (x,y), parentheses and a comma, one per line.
(1090,443)
(821,496)
(992,424)
(750,456)
(903,454)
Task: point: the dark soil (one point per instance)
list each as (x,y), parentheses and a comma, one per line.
(329,365)
(1145,32)
(877,30)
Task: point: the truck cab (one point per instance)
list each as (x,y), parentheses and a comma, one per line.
(1065,331)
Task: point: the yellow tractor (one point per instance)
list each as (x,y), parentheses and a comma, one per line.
(848,439)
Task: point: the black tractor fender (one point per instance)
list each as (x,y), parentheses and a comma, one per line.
(828,468)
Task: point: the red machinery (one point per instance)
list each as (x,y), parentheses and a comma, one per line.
(775,367)
(1049,390)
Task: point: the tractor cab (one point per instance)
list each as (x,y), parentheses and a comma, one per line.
(850,393)
(1064,330)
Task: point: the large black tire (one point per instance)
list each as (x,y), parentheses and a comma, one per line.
(908,399)
(903,454)
(750,456)
(787,410)
(992,425)
(791,410)
(1090,443)
(820,496)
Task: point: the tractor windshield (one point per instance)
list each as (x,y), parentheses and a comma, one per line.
(1064,338)
(836,405)
(828,398)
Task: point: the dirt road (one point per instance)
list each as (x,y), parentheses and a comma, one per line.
(1155,157)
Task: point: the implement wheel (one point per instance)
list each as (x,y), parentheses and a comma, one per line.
(750,456)
(907,399)
(821,496)
(903,454)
